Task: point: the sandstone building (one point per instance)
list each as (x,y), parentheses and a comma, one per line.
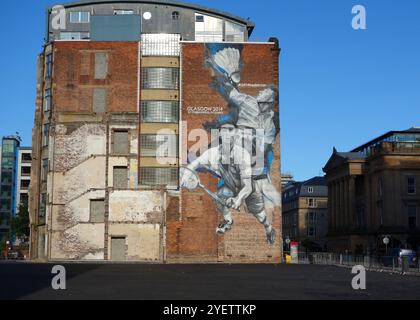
(117,80)
(305,213)
(374,193)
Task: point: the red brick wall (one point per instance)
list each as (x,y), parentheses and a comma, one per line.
(74,81)
(192,236)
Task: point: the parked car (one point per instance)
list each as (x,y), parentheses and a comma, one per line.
(395,258)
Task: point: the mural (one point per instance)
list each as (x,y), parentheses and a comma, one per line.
(242,155)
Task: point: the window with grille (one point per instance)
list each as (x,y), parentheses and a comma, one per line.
(160,45)
(164,177)
(165,146)
(160,78)
(160,112)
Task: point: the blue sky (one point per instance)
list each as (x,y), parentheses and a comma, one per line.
(339,87)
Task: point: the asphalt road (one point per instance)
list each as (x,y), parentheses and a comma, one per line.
(200,282)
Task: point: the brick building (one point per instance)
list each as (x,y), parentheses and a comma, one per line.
(125,92)
(374,193)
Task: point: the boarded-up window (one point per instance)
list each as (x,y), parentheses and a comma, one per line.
(97,211)
(101,65)
(118,247)
(85,99)
(84,63)
(121,145)
(99,100)
(120,177)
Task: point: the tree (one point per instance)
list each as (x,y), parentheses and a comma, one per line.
(20,224)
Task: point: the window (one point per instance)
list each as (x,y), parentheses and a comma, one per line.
(162,177)
(123,12)
(99,100)
(97,211)
(312,203)
(234,32)
(80,17)
(6,192)
(160,78)
(208,29)
(24,198)
(5,205)
(48,66)
(74,35)
(411,185)
(26,157)
(160,112)
(312,217)
(43,207)
(47,100)
(175,15)
(45,135)
(24,184)
(25,171)
(44,170)
(120,177)
(412,216)
(160,44)
(165,146)
(310,189)
(120,142)
(101,65)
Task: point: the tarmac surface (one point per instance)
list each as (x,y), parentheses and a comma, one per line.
(200,282)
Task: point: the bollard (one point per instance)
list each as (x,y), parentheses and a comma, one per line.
(405,264)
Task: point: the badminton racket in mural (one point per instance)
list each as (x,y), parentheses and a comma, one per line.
(242,156)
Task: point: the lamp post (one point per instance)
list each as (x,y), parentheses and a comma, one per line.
(386,243)
(288,241)
(7,250)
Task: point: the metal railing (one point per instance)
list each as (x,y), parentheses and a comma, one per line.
(384,263)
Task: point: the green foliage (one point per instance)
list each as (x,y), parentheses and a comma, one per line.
(2,246)
(20,224)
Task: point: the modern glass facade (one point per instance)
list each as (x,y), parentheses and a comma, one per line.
(8,182)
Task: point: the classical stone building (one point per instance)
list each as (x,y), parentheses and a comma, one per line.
(304,211)
(125,90)
(374,192)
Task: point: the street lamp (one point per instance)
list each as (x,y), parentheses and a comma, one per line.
(386,243)
(288,241)
(7,249)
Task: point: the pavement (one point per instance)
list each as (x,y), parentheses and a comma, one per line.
(30,281)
